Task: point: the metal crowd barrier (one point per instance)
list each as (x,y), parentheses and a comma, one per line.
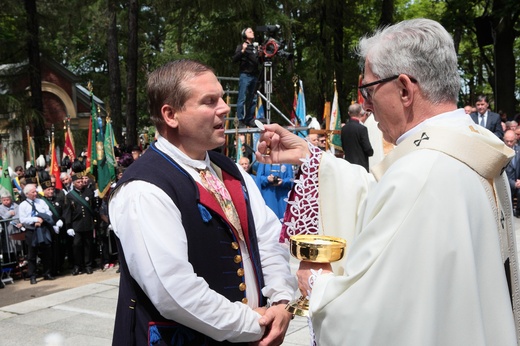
(11,248)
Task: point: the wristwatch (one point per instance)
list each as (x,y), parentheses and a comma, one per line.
(283,301)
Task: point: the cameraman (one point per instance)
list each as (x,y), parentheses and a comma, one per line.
(275,182)
(247,55)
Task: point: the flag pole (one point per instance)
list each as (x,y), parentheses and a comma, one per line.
(28,142)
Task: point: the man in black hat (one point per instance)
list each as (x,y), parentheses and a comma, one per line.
(79,214)
(55,204)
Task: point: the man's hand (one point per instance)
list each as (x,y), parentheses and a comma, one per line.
(71,232)
(278,145)
(39,222)
(305,275)
(276,321)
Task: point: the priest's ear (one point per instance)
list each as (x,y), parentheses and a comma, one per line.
(169,116)
(408,87)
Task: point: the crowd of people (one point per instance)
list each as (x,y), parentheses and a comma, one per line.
(67,229)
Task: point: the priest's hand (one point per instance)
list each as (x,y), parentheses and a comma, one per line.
(71,232)
(278,145)
(307,274)
(276,321)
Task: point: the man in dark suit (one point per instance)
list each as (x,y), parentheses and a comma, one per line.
(513,170)
(484,117)
(354,137)
(79,218)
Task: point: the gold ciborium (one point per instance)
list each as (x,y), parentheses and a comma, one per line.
(317,249)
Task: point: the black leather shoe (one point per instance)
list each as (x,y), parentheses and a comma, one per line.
(75,271)
(88,270)
(48,277)
(33,280)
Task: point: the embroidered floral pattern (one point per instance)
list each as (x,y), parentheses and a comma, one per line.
(217,188)
(302,213)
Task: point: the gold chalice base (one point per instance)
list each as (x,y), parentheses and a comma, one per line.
(299,307)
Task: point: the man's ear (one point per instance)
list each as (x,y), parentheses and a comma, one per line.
(169,116)
(407,89)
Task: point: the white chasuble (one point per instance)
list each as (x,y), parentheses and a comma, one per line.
(428,237)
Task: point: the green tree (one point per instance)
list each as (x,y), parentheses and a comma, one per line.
(114,70)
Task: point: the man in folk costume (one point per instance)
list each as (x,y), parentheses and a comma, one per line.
(56,205)
(79,214)
(432,254)
(199,250)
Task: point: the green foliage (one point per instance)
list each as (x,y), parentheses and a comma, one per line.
(74,33)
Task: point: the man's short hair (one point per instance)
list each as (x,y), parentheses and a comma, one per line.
(420,48)
(482,98)
(28,187)
(355,110)
(165,86)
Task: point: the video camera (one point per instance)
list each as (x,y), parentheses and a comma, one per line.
(272,47)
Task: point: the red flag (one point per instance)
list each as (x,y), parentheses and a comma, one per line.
(68,149)
(55,169)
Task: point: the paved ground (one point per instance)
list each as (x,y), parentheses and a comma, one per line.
(79,311)
(23,290)
(76,311)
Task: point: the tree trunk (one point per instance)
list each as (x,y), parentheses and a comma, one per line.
(114,72)
(322,72)
(504,31)
(35,78)
(387,13)
(336,25)
(131,83)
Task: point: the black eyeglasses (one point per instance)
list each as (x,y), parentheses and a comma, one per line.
(365,92)
(367,95)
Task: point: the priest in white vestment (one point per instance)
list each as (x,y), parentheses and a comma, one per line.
(431,249)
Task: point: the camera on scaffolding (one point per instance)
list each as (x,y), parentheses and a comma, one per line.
(272,47)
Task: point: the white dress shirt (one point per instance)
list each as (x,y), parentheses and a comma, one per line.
(149,225)
(25,211)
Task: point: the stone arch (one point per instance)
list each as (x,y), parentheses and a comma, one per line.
(63,96)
